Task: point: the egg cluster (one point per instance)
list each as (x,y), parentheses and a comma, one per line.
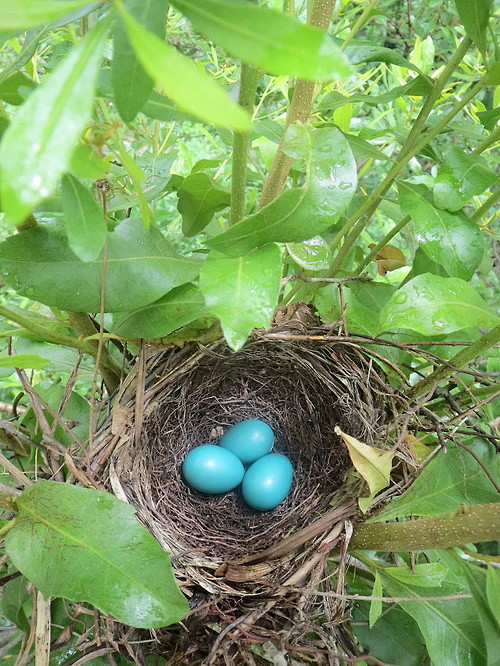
(218,469)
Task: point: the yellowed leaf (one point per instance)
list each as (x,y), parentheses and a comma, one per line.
(372,463)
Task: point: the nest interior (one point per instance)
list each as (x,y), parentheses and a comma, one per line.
(178,399)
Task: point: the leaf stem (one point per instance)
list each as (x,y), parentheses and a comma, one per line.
(83,325)
(470,524)
(487,141)
(249,79)
(489,203)
(299,110)
(359,24)
(8,526)
(462,358)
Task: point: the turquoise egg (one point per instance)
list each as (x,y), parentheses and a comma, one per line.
(249,440)
(267,482)
(211,469)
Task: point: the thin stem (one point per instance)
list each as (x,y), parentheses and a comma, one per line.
(83,325)
(470,524)
(249,79)
(299,110)
(489,203)
(359,24)
(487,141)
(47,333)
(464,357)
(386,239)
(358,221)
(8,526)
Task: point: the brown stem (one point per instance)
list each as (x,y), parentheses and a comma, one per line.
(299,110)
(470,524)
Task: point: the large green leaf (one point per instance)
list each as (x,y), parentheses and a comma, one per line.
(474,15)
(313,254)
(476,578)
(141,267)
(191,89)
(302,212)
(30,43)
(451,479)
(242,291)
(23,361)
(86,545)
(37,146)
(157,320)
(452,240)
(358,318)
(84,220)
(131,85)
(460,177)
(267,38)
(364,52)
(451,628)
(15,88)
(433,305)
(199,199)
(493,591)
(24,14)
(335,99)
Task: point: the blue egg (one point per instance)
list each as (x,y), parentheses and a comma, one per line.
(267,482)
(249,440)
(211,469)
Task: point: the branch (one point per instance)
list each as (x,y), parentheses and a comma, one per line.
(299,110)
(462,358)
(470,524)
(241,142)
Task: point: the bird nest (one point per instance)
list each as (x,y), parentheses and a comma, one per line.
(250,577)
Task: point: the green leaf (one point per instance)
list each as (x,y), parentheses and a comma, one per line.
(267,38)
(30,43)
(451,628)
(199,199)
(476,578)
(363,150)
(23,361)
(433,305)
(10,89)
(363,52)
(395,638)
(14,598)
(242,291)
(452,240)
(302,212)
(84,220)
(376,604)
(162,108)
(157,320)
(474,15)
(493,591)
(142,266)
(418,87)
(451,478)
(34,155)
(191,89)
(358,317)
(24,14)
(460,177)
(131,85)
(420,575)
(86,163)
(313,254)
(87,546)
(489,118)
